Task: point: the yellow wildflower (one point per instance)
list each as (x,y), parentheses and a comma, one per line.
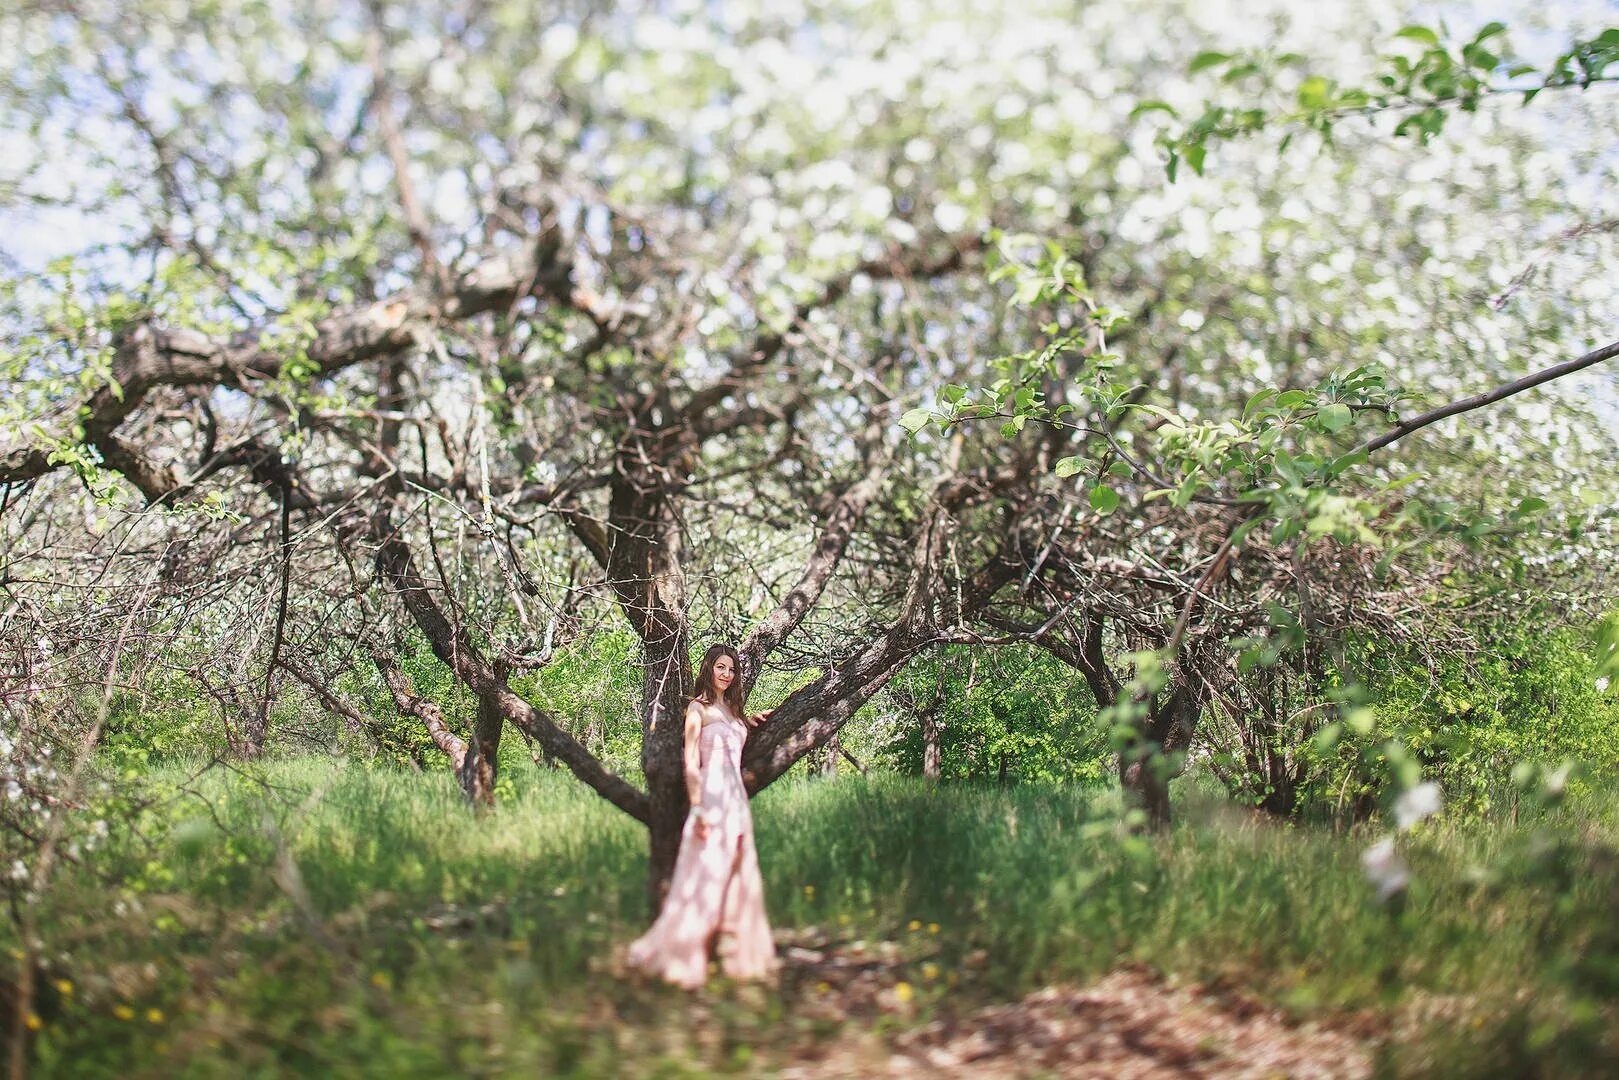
(809,892)
(379,979)
(823,988)
(902,991)
(154,1016)
(914,925)
(34,1022)
(930,971)
(933,928)
(64,987)
(123,1012)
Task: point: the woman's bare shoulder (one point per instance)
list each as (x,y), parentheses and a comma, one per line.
(707,712)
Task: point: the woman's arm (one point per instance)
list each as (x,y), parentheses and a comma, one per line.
(694,756)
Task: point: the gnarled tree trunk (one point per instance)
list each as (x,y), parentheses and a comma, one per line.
(479,765)
(667,685)
(1158,755)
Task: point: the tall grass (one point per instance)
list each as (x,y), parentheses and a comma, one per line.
(327,919)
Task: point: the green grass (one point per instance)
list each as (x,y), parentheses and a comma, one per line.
(416,939)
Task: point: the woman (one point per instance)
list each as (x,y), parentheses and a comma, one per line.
(716,888)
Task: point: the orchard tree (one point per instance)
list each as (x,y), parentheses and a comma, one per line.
(1249,497)
(491,327)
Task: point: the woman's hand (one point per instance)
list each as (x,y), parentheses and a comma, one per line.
(759,717)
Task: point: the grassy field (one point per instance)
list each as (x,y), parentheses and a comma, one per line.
(312,918)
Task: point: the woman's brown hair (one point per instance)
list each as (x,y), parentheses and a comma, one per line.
(706,691)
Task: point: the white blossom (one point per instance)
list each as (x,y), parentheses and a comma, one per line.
(1385,869)
(1415,804)
(950,216)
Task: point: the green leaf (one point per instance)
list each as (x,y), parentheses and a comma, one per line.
(1419,33)
(1314,92)
(1195,153)
(1335,417)
(1183,494)
(1204,60)
(1153,106)
(1280,617)
(1240,537)
(1480,57)
(1258,399)
(1409,478)
(1068,466)
(1261,655)
(1104,500)
(1532,505)
(1343,463)
(1328,737)
(1287,467)
(916,420)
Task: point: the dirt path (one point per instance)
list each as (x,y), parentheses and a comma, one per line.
(1127,1026)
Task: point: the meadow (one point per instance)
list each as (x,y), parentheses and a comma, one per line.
(1027,399)
(315,917)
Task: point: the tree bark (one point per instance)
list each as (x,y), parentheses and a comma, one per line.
(931,731)
(667,685)
(833,749)
(251,734)
(480,765)
(643,555)
(1145,781)
(1165,734)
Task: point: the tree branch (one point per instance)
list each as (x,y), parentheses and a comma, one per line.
(814,713)
(767,346)
(1479,401)
(451,644)
(828,552)
(147,357)
(413,704)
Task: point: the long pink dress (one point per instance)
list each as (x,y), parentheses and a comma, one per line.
(716,886)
